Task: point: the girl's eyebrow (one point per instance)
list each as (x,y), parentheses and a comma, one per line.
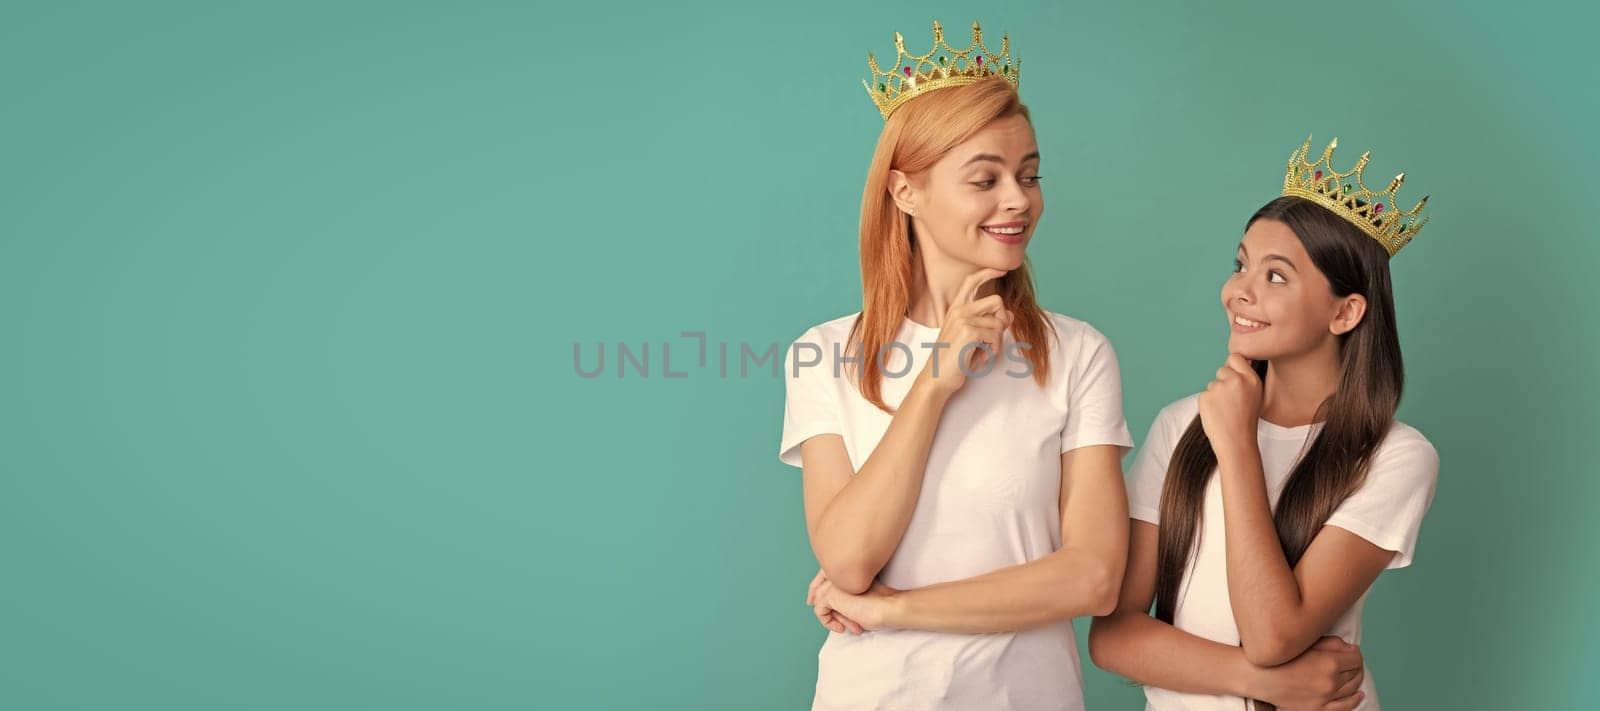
(1269,257)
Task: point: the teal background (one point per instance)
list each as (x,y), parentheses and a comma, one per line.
(290,295)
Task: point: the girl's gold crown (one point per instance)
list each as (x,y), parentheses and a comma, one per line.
(914,75)
(1374,212)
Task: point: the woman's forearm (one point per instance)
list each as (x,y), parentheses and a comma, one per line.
(1070,582)
(1154,653)
(864,522)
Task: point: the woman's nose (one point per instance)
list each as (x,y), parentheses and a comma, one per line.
(1015,198)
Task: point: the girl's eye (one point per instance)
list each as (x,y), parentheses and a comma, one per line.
(1238,266)
(984,183)
(1276,278)
(1032,180)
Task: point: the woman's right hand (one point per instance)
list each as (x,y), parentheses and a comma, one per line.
(968,321)
(1326,677)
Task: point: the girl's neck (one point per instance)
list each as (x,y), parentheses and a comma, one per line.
(1296,386)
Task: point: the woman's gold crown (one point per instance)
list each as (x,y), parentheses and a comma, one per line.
(1374,212)
(914,75)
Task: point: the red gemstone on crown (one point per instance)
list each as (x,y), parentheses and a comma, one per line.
(1319,176)
(980,60)
(1377,208)
(908,71)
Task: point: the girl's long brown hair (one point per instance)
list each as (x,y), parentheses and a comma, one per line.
(914,138)
(1355,418)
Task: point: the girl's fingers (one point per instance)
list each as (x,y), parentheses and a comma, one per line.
(811,590)
(1350,685)
(1349,660)
(1239,364)
(1347,703)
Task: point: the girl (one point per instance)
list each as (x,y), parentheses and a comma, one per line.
(962,514)
(1265,507)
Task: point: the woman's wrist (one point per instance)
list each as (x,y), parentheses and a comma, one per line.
(892,612)
(927,389)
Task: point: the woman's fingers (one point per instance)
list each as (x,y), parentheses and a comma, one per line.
(825,617)
(990,305)
(974,282)
(811,590)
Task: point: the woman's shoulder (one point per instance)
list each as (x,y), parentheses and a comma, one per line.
(1071,328)
(834,330)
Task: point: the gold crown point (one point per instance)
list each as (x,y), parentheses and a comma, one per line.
(1377,213)
(942,66)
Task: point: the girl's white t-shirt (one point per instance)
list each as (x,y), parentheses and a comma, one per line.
(1386,510)
(989,500)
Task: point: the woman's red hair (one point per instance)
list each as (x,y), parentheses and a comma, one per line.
(915,137)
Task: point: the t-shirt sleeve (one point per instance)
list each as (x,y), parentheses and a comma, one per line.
(1149,471)
(1094,397)
(809,409)
(1388,508)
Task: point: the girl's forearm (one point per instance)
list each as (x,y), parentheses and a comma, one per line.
(1262,588)
(1154,653)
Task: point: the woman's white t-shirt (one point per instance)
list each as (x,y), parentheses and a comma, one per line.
(1386,510)
(989,500)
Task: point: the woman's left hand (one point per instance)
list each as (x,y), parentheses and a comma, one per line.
(1231,406)
(867,611)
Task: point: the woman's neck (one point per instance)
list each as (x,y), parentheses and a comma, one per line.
(1296,386)
(934,285)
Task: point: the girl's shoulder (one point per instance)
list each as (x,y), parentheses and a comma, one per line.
(1179,413)
(1405,447)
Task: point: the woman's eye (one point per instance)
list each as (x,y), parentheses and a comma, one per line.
(1032,180)
(1238,266)
(984,183)
(1276,278)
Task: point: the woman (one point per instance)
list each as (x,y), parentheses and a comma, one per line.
(963,509)
(1265,507)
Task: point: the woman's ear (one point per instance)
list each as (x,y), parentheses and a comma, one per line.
(1349,314)
(902,192)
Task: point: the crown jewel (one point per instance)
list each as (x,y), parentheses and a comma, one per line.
(1374,212)
(943,66)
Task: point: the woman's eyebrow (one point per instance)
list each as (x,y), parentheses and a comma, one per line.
(992,158)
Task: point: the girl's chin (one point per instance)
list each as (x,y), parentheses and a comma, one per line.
(1234,346)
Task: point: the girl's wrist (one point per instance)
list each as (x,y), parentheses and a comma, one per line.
(1238,451)
(1249,680)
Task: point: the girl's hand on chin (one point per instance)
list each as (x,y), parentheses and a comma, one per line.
(1231,405)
